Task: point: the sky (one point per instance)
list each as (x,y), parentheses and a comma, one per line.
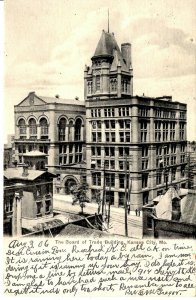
(48,43)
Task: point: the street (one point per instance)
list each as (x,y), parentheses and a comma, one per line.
(63,204)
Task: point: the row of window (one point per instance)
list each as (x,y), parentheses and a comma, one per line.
(66,159)
(168,114)
(111,124)
(44,128)
(24,148)
(113,85)
(126,111)
(64,149)
(124,137)
(124,151)
(122,180)
(110,112)
(33,127)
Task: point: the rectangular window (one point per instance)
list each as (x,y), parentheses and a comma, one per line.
(122,181)
(182,131)
(96,178)
(157,131)
(144,180)
(96,136)
(144,164)
(144,151)
(143,131)
(172,131)
(123,151)
(173,148)
(123,111)
(109,112)
(96,151)
(158,178)
(110,179)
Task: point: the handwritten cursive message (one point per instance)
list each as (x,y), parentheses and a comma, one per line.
(91,267)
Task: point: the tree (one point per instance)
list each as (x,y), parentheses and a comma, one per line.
(79,193)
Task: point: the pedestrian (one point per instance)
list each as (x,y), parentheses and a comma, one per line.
(136,212)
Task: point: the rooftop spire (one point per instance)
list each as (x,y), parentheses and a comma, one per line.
(108,22)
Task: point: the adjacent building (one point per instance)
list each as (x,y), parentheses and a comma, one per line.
(28,198)
(56,127)
(134,145)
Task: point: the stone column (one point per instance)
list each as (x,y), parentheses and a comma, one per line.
(103,131)
(38,132)
(117,132)
(28,132)
(135,138)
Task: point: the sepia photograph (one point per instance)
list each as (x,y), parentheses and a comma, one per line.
(99,147)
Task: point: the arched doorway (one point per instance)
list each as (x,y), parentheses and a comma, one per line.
(69,184)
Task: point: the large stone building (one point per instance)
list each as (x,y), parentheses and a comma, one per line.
(55,127)
(134,142)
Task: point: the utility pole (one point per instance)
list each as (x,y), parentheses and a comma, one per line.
(125,202)
(103,199)
(109,203)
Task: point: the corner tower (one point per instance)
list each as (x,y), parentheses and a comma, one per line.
(111,73)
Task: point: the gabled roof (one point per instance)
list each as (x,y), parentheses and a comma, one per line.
(16,173)
(107,46)
(61,101)
(41,100)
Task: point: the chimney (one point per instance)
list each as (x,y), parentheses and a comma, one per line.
(126,53)
(25,171)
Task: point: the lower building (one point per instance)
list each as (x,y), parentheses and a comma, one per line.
(28,199)
(171,215)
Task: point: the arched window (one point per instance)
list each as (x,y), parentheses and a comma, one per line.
(22,127)
(32,127)
(44,128)
(70,135)
(62,127)
(78,126)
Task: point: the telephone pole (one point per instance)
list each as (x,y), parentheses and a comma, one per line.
(126,192)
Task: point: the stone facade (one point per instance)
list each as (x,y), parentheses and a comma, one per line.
(134,144)
(54,126)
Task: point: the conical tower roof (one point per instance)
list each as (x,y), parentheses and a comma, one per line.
(108,47)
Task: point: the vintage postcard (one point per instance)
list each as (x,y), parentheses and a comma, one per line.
(99,162)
